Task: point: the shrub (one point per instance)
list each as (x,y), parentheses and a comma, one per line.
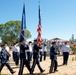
(73,48)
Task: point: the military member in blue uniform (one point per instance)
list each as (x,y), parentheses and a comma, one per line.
(53,53)
(36,56)
(23,60)
(4,59)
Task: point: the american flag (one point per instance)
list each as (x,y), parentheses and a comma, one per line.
(39,30)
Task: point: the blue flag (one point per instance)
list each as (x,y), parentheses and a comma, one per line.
(23,25)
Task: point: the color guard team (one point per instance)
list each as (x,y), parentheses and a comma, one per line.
(23,54)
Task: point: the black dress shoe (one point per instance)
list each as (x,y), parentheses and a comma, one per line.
(51,72)
(31,72)
(56,71)
(13,72)
(42,71)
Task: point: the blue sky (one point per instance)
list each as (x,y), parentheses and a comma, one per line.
(58,16)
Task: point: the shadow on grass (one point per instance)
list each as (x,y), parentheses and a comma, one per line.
(60,65)
(37,74)
(30,74)
(5,74)
(15,67)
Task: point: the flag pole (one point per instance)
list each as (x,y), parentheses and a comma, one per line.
(39,2)
(39,29)
(24,1)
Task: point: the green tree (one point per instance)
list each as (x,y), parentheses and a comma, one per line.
(72,38)
(10,32)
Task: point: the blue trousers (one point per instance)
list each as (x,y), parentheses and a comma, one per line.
(44,55)
(36,61)
(40,56)
(65,58)
(23,62)
(8,66)
(53,66)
